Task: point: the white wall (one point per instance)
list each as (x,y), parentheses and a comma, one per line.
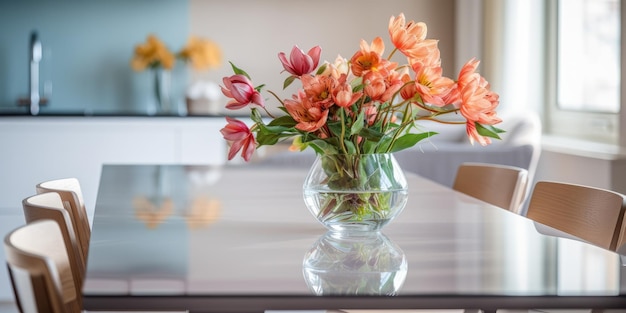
(252,33)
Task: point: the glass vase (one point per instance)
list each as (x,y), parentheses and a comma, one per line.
(355,192)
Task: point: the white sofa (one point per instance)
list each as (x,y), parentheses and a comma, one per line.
(438,157)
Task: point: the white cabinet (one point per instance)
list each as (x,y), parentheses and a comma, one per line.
(35,149)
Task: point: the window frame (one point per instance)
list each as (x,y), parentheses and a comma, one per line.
(587,125)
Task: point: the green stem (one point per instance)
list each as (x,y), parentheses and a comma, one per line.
(343,131)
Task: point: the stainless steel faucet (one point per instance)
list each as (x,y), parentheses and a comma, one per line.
(35,57)
(34,100)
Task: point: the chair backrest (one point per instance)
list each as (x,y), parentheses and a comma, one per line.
(48,206)
(72,197)
(592,214)
(501,185)
(39,269)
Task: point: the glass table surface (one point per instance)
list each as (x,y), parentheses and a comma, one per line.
(240,239)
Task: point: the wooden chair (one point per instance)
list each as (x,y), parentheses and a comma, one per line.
(501,185)
(72,197)
(49,206)
(40,270)
(592,214)
(620,247)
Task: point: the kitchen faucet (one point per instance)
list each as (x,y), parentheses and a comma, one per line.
(34,100)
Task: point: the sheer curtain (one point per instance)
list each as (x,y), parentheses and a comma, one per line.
(508,37)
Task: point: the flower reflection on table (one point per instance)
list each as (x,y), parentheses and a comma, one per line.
(199,207)
(354,264)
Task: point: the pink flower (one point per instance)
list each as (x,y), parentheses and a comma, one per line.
(241,137)
(239,88)
(300,63)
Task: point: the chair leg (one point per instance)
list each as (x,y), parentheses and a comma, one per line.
(15,295)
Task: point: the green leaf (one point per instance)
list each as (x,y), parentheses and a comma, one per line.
(488,131)
(349,146)
(288,81)
(371,134)
(285,120)
(321,69)
(369,147)
(322,147)
(238,71)
(358,124)
(255,116)
(383,144)
(409,140)
(335,128)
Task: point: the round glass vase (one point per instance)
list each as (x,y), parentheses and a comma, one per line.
(355,192)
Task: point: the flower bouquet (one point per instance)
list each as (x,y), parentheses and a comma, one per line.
(354,108)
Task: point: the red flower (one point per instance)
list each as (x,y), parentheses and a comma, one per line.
(240,90)
(241,137)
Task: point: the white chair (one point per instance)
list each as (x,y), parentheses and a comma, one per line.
(501,185)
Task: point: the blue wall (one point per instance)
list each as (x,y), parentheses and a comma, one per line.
(87,46)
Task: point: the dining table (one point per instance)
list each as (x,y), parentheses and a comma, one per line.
(239,238)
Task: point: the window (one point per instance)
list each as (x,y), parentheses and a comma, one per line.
(584,70)
(588,63)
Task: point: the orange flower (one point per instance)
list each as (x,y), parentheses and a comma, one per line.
(153,53)
(309,116)
(409,91)
(431,85)
(406,36)
(318,89)
(426,53)
(343,94)
(368,58)
(478,102)
(203,54)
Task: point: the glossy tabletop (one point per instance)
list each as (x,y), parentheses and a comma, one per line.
(240,239)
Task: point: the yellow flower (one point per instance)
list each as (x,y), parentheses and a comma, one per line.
(203,54)
(152,53)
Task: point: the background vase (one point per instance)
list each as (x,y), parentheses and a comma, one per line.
(162,90)
(355,193)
